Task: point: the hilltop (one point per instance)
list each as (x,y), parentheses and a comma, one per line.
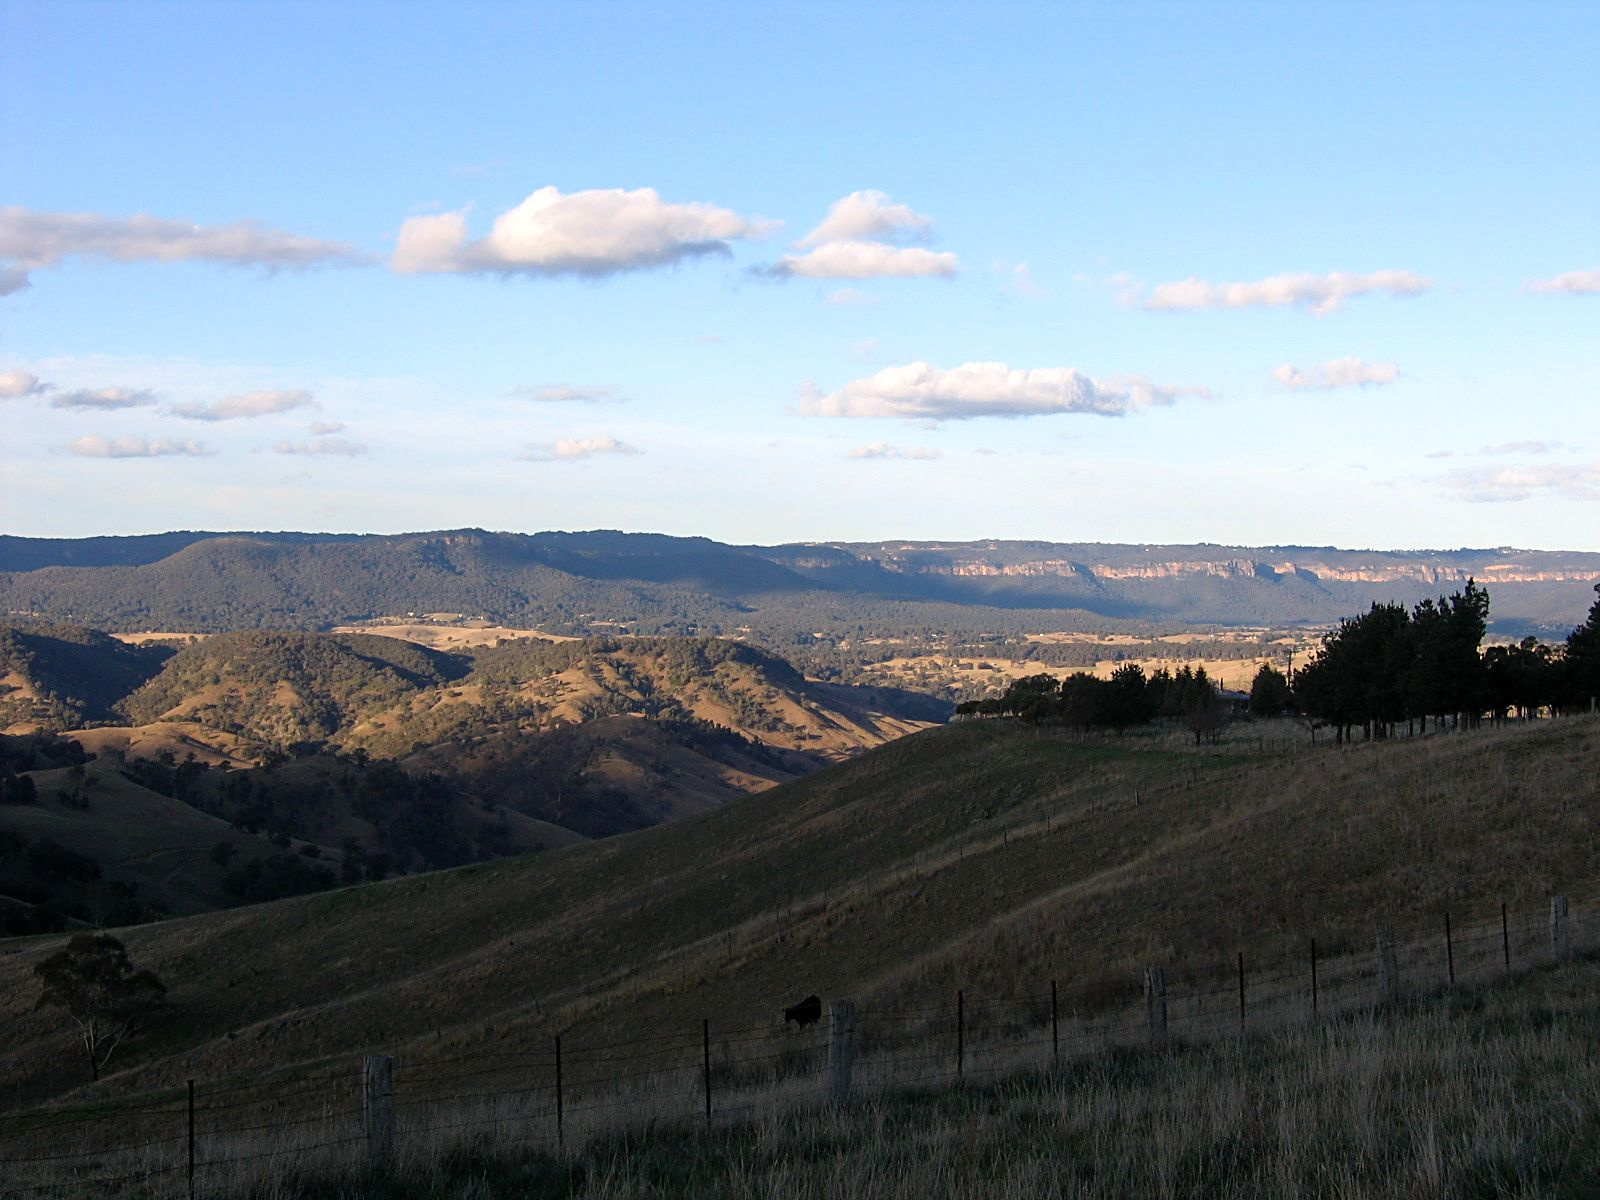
(988,855)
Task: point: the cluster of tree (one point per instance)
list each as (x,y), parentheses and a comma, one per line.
(1395,666)
(44,885)
(1128,698)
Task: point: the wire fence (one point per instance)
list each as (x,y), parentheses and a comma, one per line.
(214,1140)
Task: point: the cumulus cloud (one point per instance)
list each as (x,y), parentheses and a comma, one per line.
(885,450)
(1579,283)
(921,391)
(104,399)
(93,445)
(16,384)
(563,393)
(867,214)
(866,260)
(1565,481)
(861,238)
(576,449)
(594,233)
(333,446)
(1340,373)
(32,240)
(243,407)
(1322,294)
(322,428)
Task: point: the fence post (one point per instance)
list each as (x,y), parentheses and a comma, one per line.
(1241,991)
(1155,1006)
(377,1106)
(841,1050)
(1560,927)
(1449,950)
(1388,964)
(705,1062)
(1313,978)
(1505,937)
(561,1131)
(1055,1027)
(961,1035)
(191,1139)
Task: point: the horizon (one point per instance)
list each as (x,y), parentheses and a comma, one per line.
(813,541)
(1320,279)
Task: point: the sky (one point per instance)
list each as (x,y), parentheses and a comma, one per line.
(1265,274)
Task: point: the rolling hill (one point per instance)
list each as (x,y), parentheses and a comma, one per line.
(986,855)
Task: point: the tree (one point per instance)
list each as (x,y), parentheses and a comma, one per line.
(1204,711)
(1582,661)
(93,979)
(1269,692)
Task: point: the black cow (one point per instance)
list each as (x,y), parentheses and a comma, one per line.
(807,1012)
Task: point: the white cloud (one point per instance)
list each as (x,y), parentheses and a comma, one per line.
(103,399)
(576,449)
(332,446)
(1340,373)
(858,240)
(243,407)
(1524,448)
(867,214)
(866,260)
(847,297)
(921,391)
(594,233)
(31,240)
(1564,481)
(1322,294)
(562,393)
(93,445)
(322,428)
(885,450)
(16,384)
(1578,283)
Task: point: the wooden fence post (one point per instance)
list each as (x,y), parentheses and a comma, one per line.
(377,1106)
(1449,950)
(1155,1005)
(1055,1027)
(1388,964)
(1314,1012)
(841,1050)
(1560,927)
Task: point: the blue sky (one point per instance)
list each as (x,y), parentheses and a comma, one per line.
(1272,273)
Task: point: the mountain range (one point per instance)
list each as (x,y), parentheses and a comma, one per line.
(653,583)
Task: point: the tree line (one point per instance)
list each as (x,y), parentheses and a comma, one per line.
(1394,666)
(1388,667)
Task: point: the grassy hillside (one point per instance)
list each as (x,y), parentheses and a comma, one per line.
(988,855)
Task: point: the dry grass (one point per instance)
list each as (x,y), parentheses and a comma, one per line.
(988,856)
(1493,1092)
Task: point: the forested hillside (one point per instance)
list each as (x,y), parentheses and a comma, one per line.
(562,582)
(60,676)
